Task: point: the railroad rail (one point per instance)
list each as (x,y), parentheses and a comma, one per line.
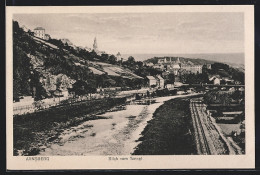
(203,147)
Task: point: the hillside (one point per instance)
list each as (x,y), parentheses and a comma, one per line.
(42,66)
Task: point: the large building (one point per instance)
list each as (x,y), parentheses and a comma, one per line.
(175,66)
(40,33)
(151,81)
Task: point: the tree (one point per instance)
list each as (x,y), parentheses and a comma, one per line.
(171,78)
(104,57)
(112,59)
(37,89)
(225,99)
(131,59)
(80,88)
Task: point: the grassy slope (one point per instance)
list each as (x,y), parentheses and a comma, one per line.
(168,132)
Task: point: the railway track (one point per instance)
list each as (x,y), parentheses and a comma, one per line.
(201,137)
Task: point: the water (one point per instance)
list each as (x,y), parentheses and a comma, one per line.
(116,135)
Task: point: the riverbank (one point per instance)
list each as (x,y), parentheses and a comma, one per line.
(169,132)
(34,132)
(117,134)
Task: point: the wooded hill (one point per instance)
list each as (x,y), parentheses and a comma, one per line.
(39,64)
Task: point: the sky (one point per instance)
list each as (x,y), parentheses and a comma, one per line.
(146,33)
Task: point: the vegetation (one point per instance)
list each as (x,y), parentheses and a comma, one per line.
(62,61)
(224,98)
(169,132)
(225,70)
(25,78)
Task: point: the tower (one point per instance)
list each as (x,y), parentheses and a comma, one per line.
(95,47)
(178,60)
(118,56)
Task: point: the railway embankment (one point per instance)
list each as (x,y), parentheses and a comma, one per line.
(170,131)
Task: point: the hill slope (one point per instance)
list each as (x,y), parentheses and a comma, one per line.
(41,66)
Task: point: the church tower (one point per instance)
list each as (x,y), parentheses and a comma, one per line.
(118,56)
(95,47)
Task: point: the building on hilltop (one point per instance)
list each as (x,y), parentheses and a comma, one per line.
(173,65)
(193,68)
(40,33)
(47,37)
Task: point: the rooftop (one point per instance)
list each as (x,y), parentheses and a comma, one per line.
(150,77)
(39,28)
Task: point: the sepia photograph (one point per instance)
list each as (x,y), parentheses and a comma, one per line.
(129,83)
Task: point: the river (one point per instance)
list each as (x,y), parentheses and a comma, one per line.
(115,135)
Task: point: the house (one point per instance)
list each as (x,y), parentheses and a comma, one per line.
(160,81)
(237,82)
(159,66)
(149,64)
(216,81)
(47,37)
(241,89)
(39,32)
(151,81)
(232,89)
(208,66)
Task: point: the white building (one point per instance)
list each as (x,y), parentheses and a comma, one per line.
(160,82)
(216,81)
(175,68)
(39,32)
(151,80)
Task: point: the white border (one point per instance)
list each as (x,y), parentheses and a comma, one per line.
(148,162)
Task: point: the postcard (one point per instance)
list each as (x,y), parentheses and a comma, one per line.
(130,87)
